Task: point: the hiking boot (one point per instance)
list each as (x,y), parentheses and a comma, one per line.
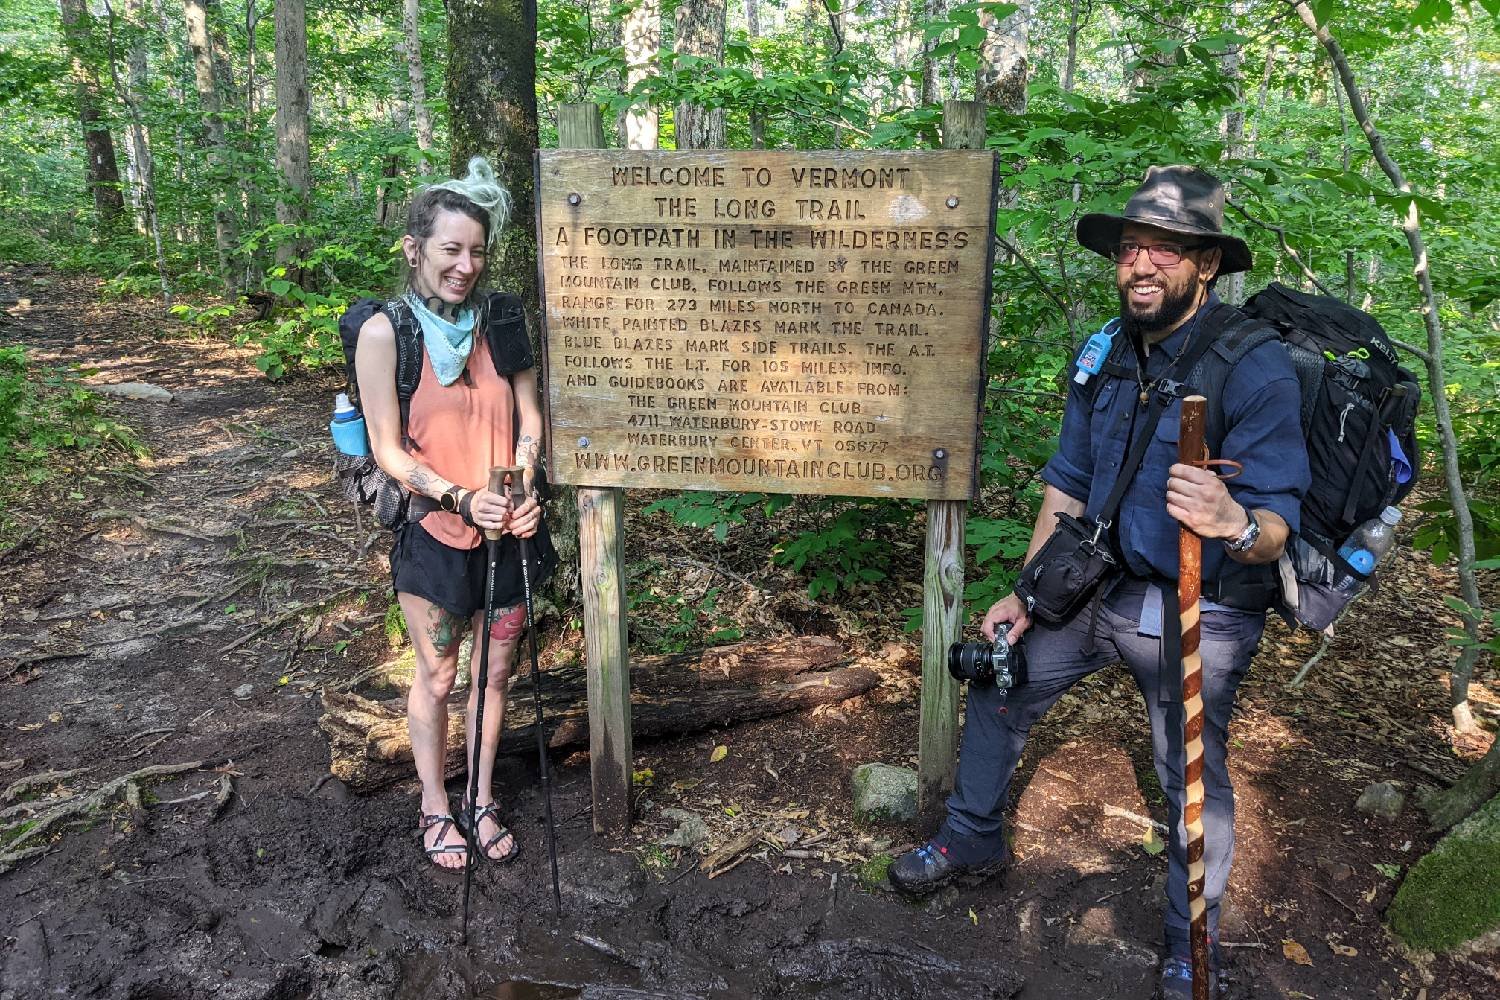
(936,864)
(1177,981)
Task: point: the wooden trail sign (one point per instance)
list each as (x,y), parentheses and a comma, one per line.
(788,322)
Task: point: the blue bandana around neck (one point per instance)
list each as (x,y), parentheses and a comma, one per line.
(448,344)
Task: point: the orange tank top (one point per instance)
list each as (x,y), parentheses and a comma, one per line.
(460,432)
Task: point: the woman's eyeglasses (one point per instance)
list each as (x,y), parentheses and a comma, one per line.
(1161,254)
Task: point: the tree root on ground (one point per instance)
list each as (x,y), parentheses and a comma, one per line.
(39,820)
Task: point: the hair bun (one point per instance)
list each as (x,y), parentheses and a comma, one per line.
(481,187)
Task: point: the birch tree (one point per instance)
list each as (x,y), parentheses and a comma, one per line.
(642,46)
(1004,59)
(410,23)
(1463,666)
(208,83)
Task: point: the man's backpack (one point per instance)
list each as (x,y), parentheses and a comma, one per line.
(503,321)
(1359,411)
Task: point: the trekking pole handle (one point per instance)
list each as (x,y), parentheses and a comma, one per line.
(497,485)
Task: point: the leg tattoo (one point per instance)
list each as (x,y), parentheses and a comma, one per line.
(445,630)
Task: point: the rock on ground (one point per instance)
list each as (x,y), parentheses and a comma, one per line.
(1383,800)
(885,793)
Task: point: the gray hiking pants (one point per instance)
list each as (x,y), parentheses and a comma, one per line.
(996,726)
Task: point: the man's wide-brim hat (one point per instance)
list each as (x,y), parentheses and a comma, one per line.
(1183,200)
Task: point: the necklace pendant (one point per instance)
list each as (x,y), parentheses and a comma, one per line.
(1145,397)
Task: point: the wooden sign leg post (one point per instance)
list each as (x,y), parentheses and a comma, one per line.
(943,581)
(601,558)
(1189,588)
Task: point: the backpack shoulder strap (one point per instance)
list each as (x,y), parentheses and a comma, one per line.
(408,358)
(1114,366)
(1238,335)
(1164,390)
(502,317)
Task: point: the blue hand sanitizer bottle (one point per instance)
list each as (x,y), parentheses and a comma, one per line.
(1091,358)
(348,428)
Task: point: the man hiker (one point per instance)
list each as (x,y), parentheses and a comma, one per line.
(1168,248)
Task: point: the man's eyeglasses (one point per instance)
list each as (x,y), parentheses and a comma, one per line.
(1161,254)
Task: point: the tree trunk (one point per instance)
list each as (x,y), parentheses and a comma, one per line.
(131,92)
(1478,785)
(1234,131)
(251,204)
(1070,62)
(700,32)
(1265,91)
(410,24)
(672,695)
(757,116)
(492,113)
(1004,58)
(217,180)
(101,170)
(1463,665)
(930,9)
(642,44)
(293,159)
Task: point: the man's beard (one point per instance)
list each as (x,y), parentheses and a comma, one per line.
(1174,306)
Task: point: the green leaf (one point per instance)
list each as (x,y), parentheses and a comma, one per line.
(1151,843)
(279,286)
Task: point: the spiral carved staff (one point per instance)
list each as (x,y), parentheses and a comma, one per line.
(1191,451)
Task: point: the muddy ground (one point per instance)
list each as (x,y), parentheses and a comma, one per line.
(188,608)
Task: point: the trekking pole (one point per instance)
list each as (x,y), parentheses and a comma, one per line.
(1190,451)
(518,497)
(491,554)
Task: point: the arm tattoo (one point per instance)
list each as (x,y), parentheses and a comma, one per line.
(445,630)
(526,450)
(424,481)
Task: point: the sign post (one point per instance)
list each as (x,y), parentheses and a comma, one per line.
(770,321)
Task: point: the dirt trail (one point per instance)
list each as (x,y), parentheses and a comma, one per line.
(188,610)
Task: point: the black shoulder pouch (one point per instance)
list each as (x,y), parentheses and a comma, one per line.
(1067,569)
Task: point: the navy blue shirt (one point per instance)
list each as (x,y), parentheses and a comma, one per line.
(1262,430)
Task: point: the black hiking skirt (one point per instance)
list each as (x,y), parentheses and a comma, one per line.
(453,579)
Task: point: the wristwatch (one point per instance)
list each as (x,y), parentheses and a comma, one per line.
(1247,538)
(449,500)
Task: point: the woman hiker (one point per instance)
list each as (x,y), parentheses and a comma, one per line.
(475,407)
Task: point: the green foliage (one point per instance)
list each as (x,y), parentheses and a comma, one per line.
(846,545)
(45,411)
(674,623)
(718,511)
(394,625)
(872,874)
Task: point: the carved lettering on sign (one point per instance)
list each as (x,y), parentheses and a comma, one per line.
(792,322)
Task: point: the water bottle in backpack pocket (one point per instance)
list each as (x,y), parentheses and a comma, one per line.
(348,428)
(1316,590)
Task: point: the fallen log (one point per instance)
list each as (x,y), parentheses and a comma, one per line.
(670,695)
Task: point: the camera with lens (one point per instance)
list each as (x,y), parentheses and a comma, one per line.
(986,663)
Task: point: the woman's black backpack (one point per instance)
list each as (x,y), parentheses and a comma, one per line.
(503,320)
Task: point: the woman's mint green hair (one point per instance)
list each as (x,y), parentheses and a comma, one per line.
(480,187)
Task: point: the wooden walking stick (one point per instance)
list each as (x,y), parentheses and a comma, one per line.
(1191,451)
